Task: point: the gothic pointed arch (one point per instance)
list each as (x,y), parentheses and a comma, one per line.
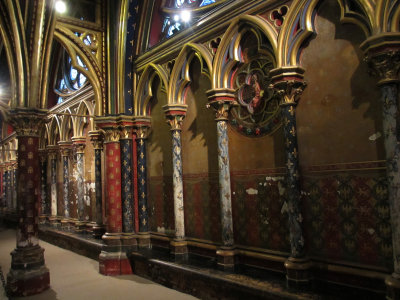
(299,26)
(144,89)
(53,131)
(180,77)
(229,51)
(75,47)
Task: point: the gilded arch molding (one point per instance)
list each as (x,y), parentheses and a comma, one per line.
(180,77)
(75,47)
(144,89)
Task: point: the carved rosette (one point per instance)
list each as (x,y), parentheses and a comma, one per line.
(27,122)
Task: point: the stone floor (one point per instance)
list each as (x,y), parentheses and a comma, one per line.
(73,276)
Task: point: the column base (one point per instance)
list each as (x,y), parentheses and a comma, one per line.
(298,272)
(178,250)
(114,263)
(98,231)
(65,224)
(226,259)
(393,287)
(54,221)
(129,241)
(42,219)
(80,226)
(28,274)
(144,240)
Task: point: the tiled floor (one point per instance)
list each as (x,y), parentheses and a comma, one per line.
(76,277)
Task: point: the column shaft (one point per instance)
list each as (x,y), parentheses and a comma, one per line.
(178,184)
(65,162)
(43,186)
(224,184)
(53,186)
(127,190)
(142,185)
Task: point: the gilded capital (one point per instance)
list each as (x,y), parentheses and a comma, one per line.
(221,100)
(385,65)
(96,137)
(289,91)
(175,121)
(142,132)
(79,144)
(65,148)
(126,133)
(111,134)
(175,113)
(27,122)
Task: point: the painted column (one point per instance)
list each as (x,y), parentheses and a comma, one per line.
(384,62)
(289,91)
(97,141)
(2,205)
(28,274)
(113,259)
(142,132)
(9,187)
(221,100)
(79,145)
(52,150)
(175,114)
(65,148)
(43,186)
(14,174)
(129,240)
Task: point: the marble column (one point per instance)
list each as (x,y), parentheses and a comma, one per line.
(221,100)
(289,91)
(97,140)
(43,186)
(9,187)
(79,145)
(52,151)
(175,114)
(142,132)
(384,62)
(28,274)
(113,259)
(65,149)
(128,221)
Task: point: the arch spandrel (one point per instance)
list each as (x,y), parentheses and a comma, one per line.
(144,91)
(180,77)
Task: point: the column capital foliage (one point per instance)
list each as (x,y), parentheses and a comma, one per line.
(175,121)
(111,134)
(221,100)
(385,65)
(289,91)
(142,132)
(27,122)
(96,137)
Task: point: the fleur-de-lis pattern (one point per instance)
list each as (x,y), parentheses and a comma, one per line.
(178,184)
(113,186)
(142,185)
(224,184)
(292,182)
(43,186)
(127,190)
(27,189)
(99,204)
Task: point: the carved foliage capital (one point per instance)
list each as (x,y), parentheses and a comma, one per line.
(96,137)
(126,133)
(27,123)
(175,121)
(111,134)
(385,65)
(142,132)
(289,91)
